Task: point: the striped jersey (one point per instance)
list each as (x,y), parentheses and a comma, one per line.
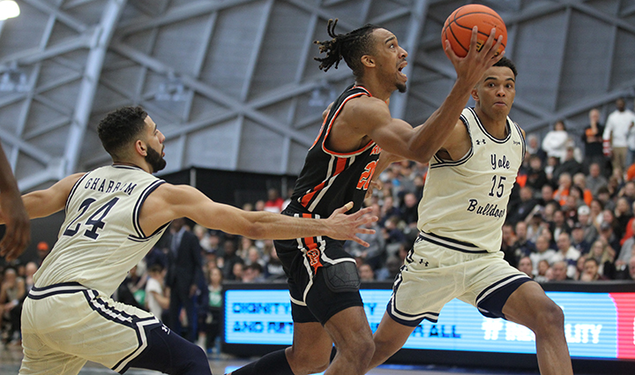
(330,179)
(465,200)
(101,239)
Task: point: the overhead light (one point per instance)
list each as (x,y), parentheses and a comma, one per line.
(8,9)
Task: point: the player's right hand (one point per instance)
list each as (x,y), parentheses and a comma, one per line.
(346,227)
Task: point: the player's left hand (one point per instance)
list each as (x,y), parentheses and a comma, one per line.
(346,227)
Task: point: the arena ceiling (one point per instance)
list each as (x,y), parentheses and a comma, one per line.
(233,85)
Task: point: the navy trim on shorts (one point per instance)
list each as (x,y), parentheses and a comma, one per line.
(411,320)
(121,317)
(448,243)
(491,300)
(55,289)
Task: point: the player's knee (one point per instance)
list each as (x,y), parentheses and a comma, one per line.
(308,362)
(360,349)
(194,363)
(549,318)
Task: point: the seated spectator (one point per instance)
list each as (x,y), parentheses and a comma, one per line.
(559,271)
(389,270)
(579,180)
(253,273)
(622,215)
(567,253)
(569,165)
(30,270)
(273,269)
(375,253)
(543,252)
(238,270)
(542,273)
(523,207)
(624,255)
(577,239)
(590,230)
(274,201)
(595,180)
(536,176)
(604,257)
(525,265)
(12,294)
(366,272)
(564,184)
(591,271)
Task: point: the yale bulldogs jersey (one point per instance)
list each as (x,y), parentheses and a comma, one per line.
(101,239)
(466,200)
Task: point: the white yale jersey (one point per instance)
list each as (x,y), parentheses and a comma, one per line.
(466,200)
(101,240)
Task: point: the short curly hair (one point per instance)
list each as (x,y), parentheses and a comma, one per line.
(121,127)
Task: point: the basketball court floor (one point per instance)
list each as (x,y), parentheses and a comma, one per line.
(11,356)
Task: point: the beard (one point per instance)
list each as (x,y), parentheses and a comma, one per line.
(155,160)
(401,87)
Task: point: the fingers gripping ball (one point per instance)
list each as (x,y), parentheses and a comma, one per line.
(458,27)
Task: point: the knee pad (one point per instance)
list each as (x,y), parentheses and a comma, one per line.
(342,277)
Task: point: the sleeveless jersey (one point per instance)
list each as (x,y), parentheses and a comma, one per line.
(331,179)
(466,200)
(101,239)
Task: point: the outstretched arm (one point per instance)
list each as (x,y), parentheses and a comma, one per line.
(169,202)
(18,233)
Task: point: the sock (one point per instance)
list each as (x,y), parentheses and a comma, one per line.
(271,364)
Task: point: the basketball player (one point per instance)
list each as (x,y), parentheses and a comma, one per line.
(323,281)
(457,253)
(114,215)
(17,234)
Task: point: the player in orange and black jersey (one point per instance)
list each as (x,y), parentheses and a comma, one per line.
(359,138)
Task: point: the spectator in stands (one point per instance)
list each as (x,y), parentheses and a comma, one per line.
(559,224)
(12,294)
(592,139)
(525,265)
(389,270)
(555,141)
(211,325)
(577,239)
(607,235)
(546,196)
(568,165)
(253,273)
(559,271)
(542,274)
(507,244)
(543,252)
(522,246)
(564,184)
(366,272)
(156,301)
(375,253)
(409,209)
(567,252)
(595,180)
(590,230)
(604,257)
(238,270)
(30,270)
(618,131)
(591,271)
(274,201)
(596,208)
(624,255)
(43,250)
(536,176)
(579,180)
(229,258)
(523,207)
(622,215)
(533,148)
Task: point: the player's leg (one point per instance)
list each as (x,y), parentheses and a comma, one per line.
(42,360)
(170,353)
(353,339)
(309,354)
(389,338)
(530,306)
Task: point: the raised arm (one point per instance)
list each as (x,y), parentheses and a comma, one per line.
(18,234)
(421,143)
(169,202)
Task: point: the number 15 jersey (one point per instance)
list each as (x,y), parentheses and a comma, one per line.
(465,200)
(101,239)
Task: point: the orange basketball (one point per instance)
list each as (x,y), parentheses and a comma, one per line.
(458,27)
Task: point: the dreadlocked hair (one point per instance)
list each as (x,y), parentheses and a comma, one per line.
(351,47)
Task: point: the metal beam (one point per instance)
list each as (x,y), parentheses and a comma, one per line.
(417,21)
(94,64)
(62,16)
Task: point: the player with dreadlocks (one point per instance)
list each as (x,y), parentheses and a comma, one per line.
(325,302)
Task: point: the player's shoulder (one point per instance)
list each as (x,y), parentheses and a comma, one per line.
(364,107)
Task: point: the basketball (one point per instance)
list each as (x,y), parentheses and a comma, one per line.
(458,27)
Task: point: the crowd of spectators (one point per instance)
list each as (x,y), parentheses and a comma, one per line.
(571,216)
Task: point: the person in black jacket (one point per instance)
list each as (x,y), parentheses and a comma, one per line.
(184,270)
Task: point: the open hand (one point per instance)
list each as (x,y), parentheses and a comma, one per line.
(346,227)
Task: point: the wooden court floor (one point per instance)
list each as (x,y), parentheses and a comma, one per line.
(11,356)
